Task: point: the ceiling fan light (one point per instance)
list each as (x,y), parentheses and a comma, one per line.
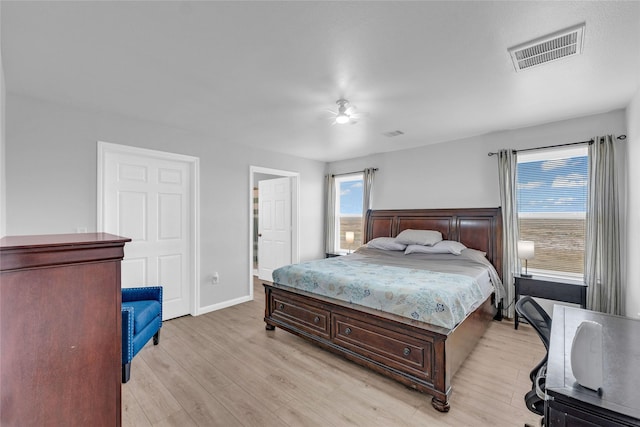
(342,119)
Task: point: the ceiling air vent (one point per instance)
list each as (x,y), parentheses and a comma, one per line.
(393,133)
(559,45)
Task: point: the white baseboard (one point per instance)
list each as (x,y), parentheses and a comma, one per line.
(221,305)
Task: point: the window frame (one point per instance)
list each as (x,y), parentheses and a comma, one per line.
(548,155)
(356,176)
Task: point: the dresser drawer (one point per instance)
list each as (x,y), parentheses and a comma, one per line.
(300,314)
(391,348)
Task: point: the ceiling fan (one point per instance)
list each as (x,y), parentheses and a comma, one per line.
(346,113)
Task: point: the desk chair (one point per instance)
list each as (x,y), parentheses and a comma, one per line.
(535,315)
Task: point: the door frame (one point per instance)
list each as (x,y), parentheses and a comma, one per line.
(295,209)
(194,175)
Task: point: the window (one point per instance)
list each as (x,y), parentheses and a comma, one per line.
(552,205)
(348,211)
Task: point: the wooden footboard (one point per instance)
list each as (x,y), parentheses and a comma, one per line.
(421,356)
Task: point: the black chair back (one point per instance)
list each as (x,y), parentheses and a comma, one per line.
(535,315)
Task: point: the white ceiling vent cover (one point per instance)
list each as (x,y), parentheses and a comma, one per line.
(549,48)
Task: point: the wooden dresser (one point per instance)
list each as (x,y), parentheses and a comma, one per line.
(60,330)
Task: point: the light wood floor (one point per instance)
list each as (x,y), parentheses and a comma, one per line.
(225,369)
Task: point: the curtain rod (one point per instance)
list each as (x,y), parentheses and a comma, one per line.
(591,141)
(350,173)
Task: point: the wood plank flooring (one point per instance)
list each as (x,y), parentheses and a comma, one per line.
(225,369)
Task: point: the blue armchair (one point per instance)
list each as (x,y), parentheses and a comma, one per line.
(141,320)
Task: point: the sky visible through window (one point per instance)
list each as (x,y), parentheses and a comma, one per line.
(553,186)
(351,197)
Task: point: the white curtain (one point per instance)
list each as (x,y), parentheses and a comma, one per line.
(602,237)
(507,167)
(367,190)
(330,214)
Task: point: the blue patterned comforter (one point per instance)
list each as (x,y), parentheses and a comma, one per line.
(438,298)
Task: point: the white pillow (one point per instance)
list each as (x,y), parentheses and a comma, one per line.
(419,237)
(386,243)
(443,247)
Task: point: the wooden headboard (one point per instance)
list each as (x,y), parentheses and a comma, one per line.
(475,228)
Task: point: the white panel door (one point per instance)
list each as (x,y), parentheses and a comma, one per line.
(148,199)
(274,225)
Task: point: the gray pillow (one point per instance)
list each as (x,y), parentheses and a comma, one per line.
(386,243)
(443,247)
(419,237)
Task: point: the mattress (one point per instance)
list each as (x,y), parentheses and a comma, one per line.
(438,289)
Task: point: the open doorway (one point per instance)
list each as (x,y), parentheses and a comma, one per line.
(266,176)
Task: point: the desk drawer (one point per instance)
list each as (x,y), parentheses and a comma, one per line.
(391,348)
(559,415)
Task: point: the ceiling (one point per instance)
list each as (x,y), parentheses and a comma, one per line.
(264,74)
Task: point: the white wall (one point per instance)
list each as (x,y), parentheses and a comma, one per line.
(459,173)
(51,179)
(633,211)
(3,190)
(51,183)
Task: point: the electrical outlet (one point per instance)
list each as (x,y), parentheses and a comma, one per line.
(215,279)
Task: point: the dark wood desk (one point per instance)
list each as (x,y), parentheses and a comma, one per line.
(568,403)
(565,290)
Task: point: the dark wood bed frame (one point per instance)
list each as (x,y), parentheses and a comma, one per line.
(417,354)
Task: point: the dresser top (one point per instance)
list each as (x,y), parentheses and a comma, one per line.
(16,242)
(20,252)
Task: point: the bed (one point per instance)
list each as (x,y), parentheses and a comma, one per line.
(421,354)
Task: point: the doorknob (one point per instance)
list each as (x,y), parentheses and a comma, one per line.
(259,234)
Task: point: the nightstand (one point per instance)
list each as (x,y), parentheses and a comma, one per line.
(331,254)
(565,290)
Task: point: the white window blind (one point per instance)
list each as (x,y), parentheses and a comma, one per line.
(552,201)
